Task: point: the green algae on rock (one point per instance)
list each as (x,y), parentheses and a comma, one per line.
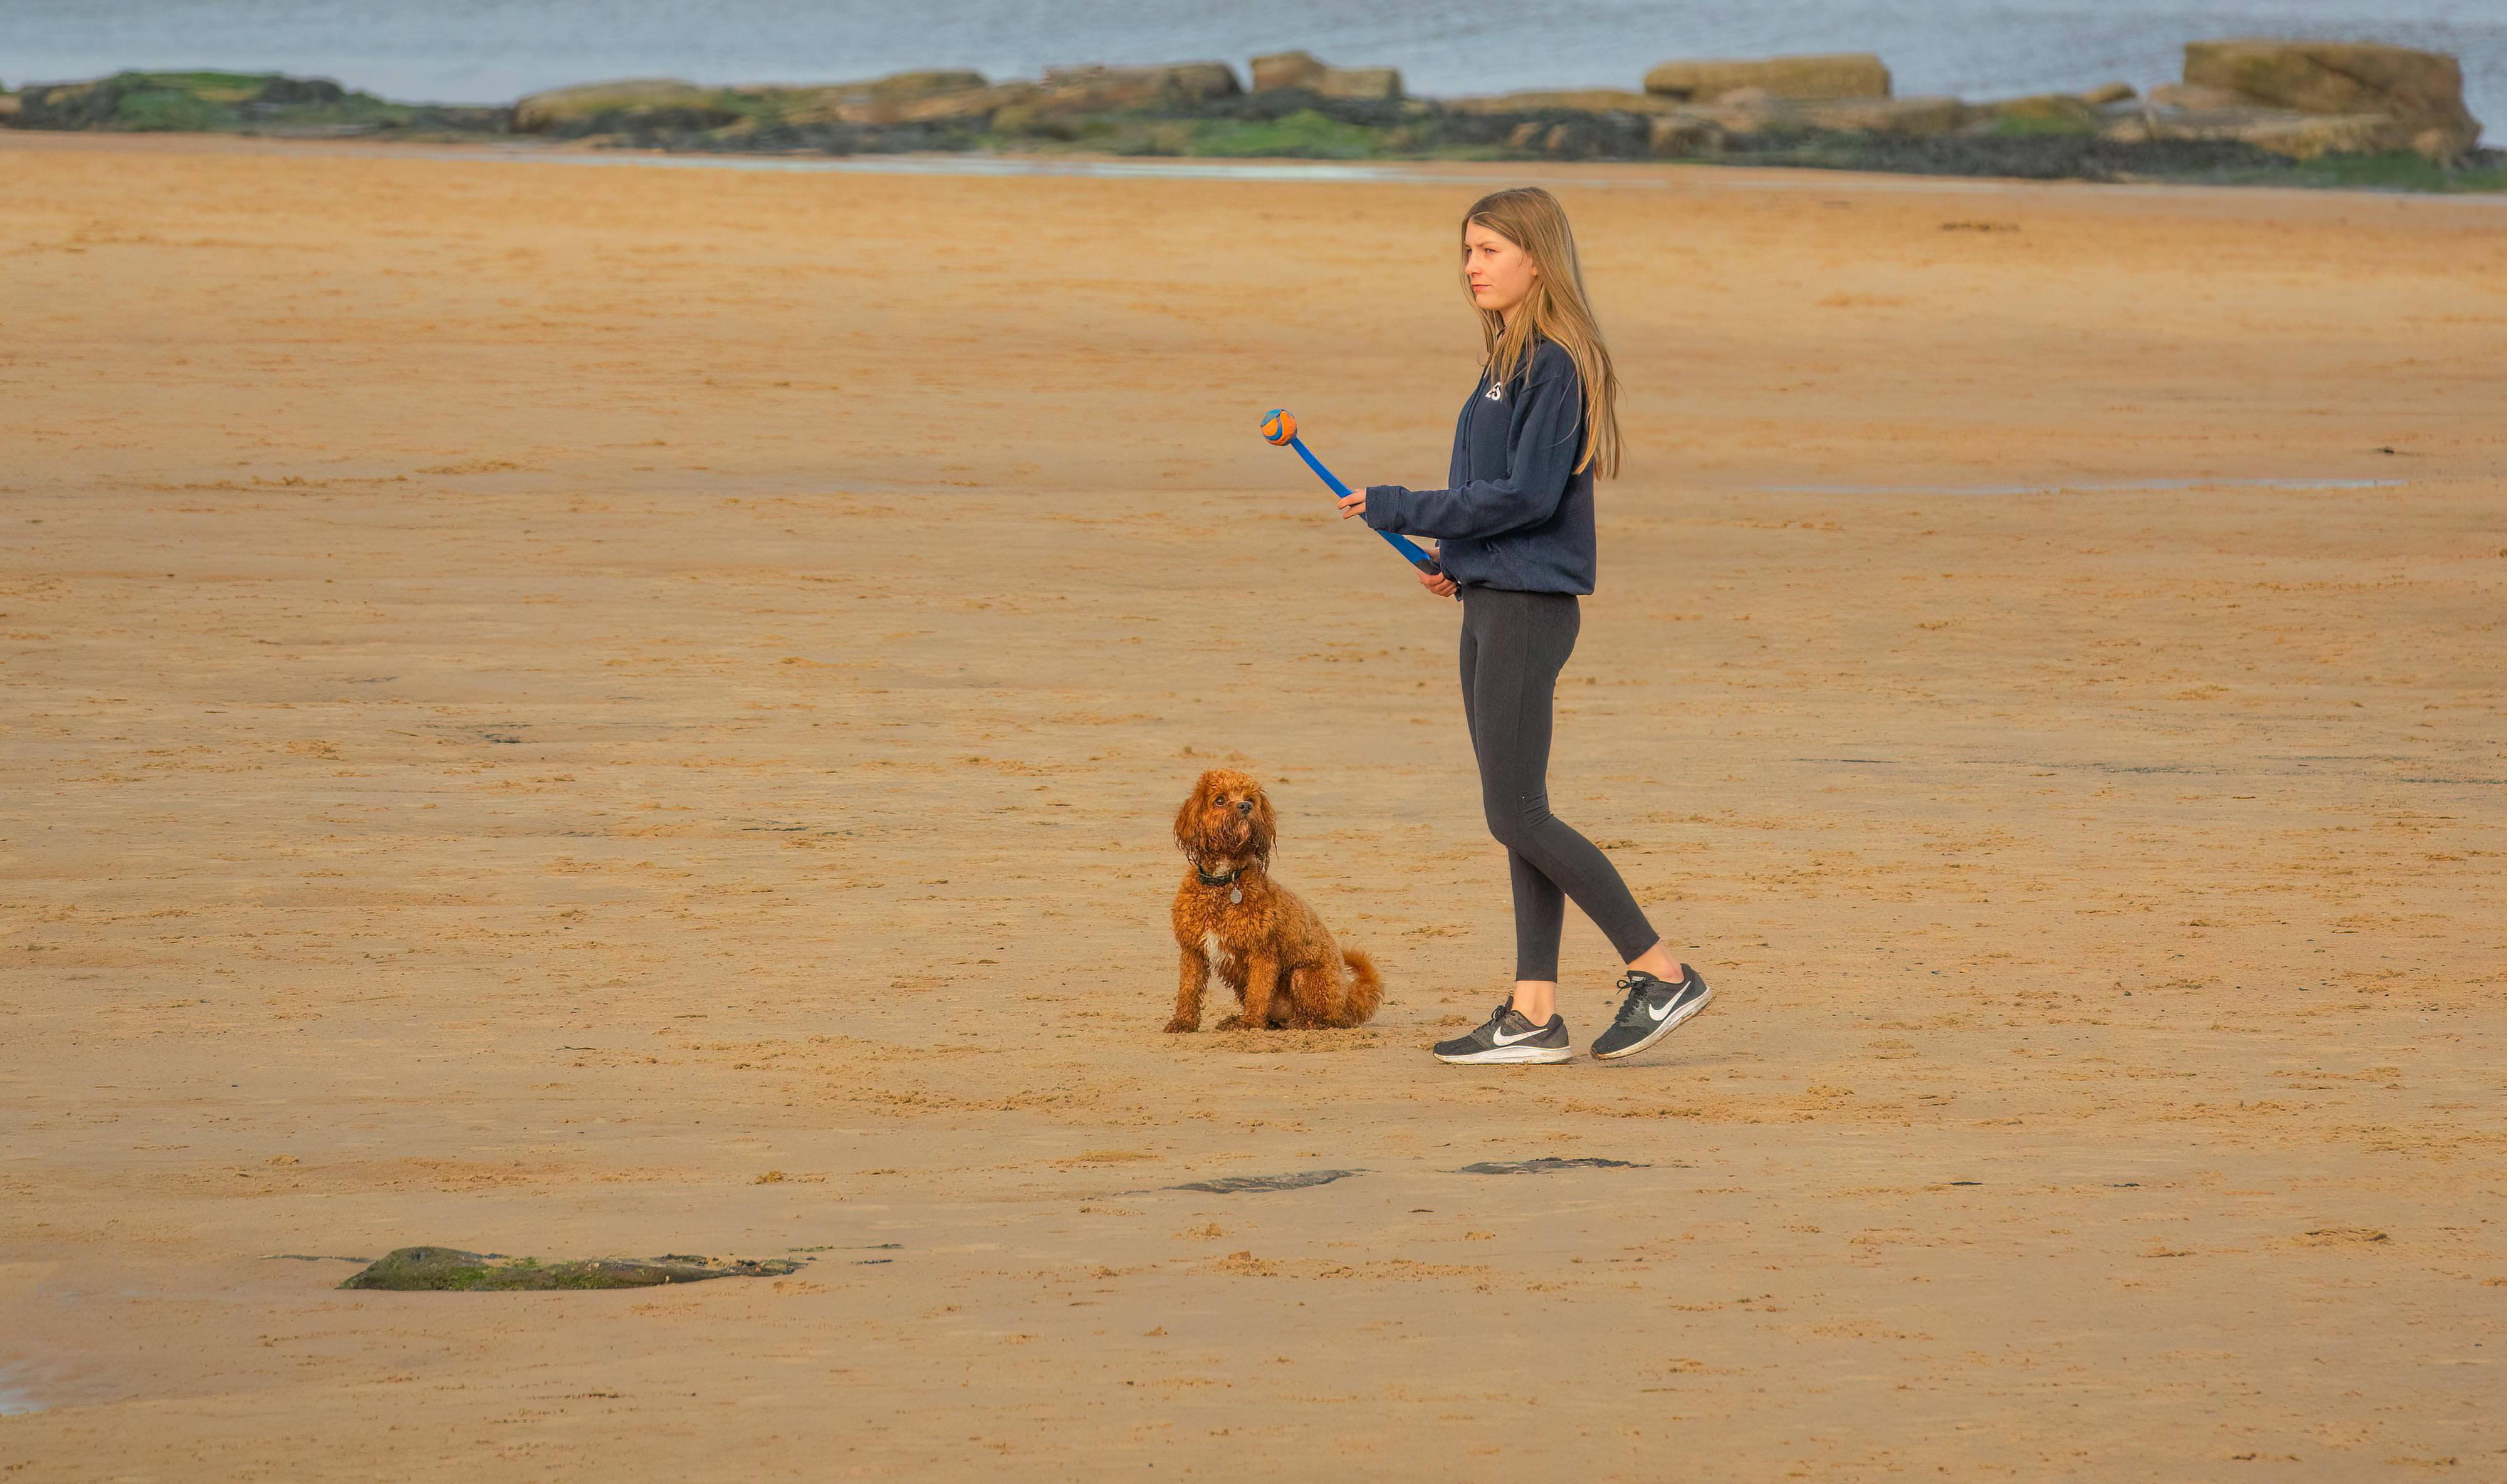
(235,102)
(446,1269)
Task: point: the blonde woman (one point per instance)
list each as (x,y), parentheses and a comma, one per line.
(1515,539)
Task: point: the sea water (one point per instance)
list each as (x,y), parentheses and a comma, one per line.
(493,51)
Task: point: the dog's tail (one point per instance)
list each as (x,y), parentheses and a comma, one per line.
(1366,989)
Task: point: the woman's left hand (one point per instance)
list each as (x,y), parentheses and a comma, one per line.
(1353,504)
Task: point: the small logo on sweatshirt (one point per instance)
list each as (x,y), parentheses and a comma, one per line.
(1497,391)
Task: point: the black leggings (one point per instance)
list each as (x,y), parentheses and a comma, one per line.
(1514,646)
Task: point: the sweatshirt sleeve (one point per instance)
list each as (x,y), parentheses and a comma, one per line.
(1541,460)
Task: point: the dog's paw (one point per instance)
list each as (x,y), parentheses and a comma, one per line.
(1231,1023)
(1180,1025)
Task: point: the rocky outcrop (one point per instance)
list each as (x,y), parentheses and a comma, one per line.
(1922,117)
(1361,82)
(2046,113)
(1303,70)
(446,1269)
(904,98)
(1754,111)
(1683,137)
(1098,90)
(1845,75)
(1060,106)
(973,105)
(248,103)
(68,105)
(2197,96)
(601,108)
(2282,131)
(922,85)
(1576,100)
(2420,91)
(2243,111)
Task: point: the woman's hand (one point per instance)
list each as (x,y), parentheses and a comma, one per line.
(1439,583)
(1434,582)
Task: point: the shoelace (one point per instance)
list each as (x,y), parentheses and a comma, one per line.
(1632,1008)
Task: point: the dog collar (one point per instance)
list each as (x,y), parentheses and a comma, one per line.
(1209,879)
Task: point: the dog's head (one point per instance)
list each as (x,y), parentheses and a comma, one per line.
(1229,818)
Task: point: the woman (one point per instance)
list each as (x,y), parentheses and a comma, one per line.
(1515,534)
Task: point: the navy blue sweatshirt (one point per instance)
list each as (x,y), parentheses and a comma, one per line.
(1517,514)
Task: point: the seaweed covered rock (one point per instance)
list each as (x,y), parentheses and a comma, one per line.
(446,1269)
(2421,92)
(230,102)
(1842,75)
(645,103)
(65,105)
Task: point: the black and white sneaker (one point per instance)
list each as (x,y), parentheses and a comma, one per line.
(1653,1010)
(1509,1039)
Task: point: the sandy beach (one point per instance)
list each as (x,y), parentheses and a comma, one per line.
(574,712)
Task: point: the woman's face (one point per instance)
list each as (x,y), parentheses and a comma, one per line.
(1498,272)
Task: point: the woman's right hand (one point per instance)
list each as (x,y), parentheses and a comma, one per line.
(1439,583)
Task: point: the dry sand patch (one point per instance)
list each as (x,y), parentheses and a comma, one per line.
(538,698)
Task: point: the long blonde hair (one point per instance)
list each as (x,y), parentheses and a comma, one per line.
(1555,310)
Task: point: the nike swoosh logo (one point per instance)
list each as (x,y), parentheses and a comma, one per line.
(1501,1039)
(1663,1012)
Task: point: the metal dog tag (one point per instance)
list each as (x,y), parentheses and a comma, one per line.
(1236,893)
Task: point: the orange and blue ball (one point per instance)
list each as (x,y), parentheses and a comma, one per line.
(1278,425)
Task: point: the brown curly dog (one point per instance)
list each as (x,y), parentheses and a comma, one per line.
(1229,914)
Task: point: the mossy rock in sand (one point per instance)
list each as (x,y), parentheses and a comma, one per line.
(413,1269)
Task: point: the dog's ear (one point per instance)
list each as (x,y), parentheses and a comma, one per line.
(1188,825)
(1265,830)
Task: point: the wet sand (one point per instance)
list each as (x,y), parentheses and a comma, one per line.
(574,712)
